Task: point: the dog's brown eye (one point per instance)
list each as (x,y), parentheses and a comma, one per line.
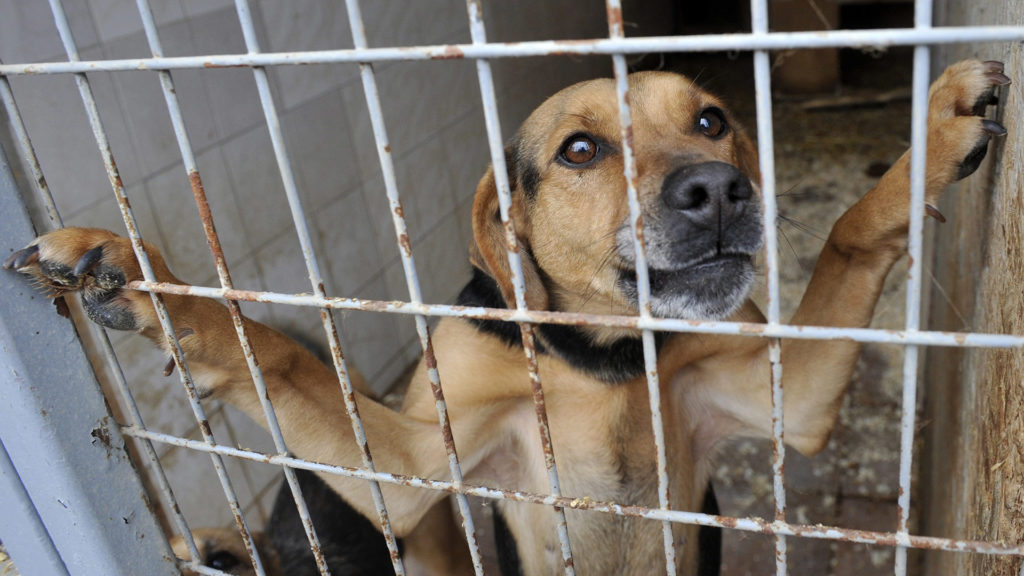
(579,150)
(711,123)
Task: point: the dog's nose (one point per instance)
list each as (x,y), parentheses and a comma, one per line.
(711,194)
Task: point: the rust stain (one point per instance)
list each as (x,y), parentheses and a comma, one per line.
(615,19)
(449,53)
(403,241)
(215,65)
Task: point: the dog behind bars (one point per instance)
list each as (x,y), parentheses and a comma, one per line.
(697,181)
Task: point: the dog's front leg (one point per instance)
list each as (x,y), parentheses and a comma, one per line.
(848,278)
(305,393)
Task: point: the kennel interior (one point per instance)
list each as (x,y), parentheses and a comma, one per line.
(267,135)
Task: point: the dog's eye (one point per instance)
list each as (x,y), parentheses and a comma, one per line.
(579,150)
(222,560)
(711,123)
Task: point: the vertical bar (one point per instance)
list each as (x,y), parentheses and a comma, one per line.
(42,190)
(412,280)
(918,156)
(766,154)
(492,123)
(615,30)
(316,279)
(88,100)
(188,158)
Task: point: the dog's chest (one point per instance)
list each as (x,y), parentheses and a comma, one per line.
(604,450)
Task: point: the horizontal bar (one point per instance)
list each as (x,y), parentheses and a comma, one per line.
(818,531)
(878,38)
(902,337)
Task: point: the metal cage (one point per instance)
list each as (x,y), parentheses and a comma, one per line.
(132,539)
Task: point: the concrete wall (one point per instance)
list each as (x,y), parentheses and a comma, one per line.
(972,475)
(435,124)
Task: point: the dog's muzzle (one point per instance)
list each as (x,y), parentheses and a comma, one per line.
(701,236)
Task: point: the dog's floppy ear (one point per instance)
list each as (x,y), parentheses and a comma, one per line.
(746,159)
(489,250)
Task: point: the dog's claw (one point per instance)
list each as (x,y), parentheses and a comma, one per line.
(88,261)
(992,127)
(998,78)
(993,66)
(169,367)
(934,213)
(22,258)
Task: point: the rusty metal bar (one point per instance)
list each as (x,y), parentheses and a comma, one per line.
(99,334)
(88,100)
(312,267)
(206,215)
(501,180)
(412,280)
(876,38)
(766,155)
(756,525)
(615,31)
(747,329)
(918,156)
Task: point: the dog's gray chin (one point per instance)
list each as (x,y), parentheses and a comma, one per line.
(710,290)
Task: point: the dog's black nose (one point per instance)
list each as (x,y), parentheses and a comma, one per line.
(711,194)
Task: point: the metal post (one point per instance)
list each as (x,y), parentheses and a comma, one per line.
(63,444)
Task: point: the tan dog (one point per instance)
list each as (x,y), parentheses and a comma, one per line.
(697,185)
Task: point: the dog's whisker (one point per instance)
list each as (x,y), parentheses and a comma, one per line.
(805,228)
(792,249)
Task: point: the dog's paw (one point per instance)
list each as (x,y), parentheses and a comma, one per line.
(96,263)
(958,134)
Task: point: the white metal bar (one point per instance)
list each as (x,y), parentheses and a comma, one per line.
(316,279)
(188,158)
(88,100)
(42,190)
(918,157)
(796,332)
(757,525)
(615,31)
(876,38)
(499,168)
(412,280)
(766,155)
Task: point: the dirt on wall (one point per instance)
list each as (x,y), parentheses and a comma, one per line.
(972,475)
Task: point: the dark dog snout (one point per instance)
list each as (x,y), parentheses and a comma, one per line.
(711,194)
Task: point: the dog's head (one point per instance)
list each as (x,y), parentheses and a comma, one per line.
(697,181)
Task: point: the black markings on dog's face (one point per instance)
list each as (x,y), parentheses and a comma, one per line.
(523,169)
